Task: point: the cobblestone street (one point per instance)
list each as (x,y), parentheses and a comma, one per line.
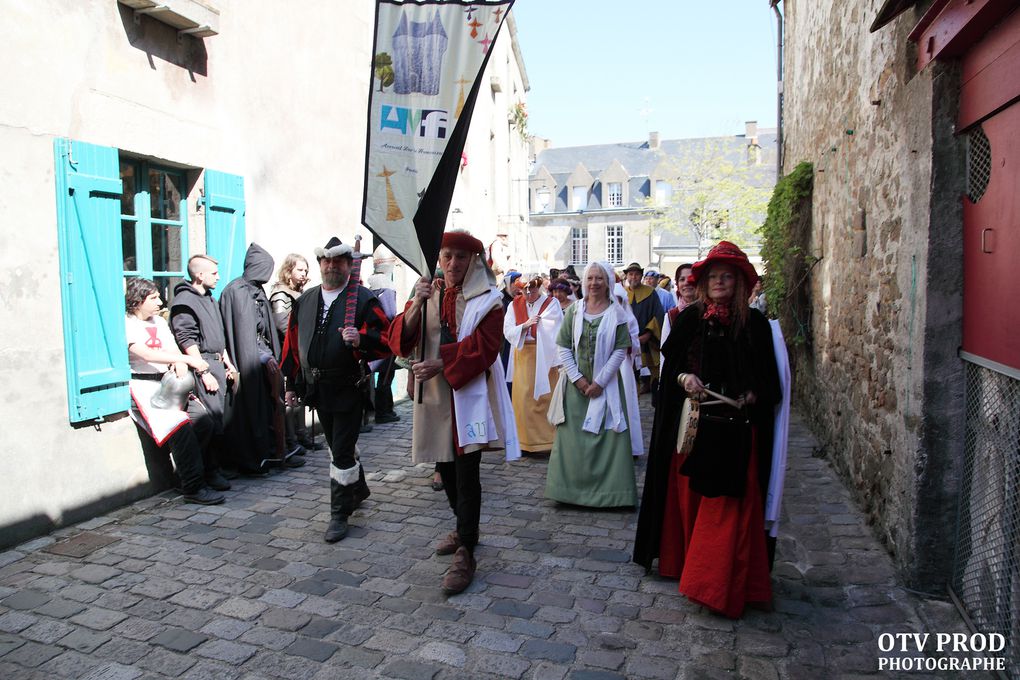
(248,589)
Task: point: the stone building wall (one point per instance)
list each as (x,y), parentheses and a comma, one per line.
(877,376)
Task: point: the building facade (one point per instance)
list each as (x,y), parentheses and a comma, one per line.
(634,202)
(139,133)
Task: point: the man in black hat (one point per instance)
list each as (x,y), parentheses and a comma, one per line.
(324,359)
(648,311)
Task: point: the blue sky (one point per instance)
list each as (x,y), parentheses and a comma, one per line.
(603,71)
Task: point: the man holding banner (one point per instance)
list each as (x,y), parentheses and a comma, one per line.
(428,61)
(465,408)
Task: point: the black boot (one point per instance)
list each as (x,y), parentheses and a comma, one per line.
(361,491)
(337,528)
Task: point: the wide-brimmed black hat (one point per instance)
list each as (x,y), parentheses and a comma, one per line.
(634,267)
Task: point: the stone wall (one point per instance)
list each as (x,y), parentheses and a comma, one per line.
(878,379)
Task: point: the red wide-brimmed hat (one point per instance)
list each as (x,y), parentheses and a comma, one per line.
(725,252)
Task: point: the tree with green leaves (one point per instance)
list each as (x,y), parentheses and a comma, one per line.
(383,65)
(720,190)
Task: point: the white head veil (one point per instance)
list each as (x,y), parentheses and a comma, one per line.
(607,271)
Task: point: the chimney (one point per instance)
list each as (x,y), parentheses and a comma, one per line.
(751,129)
(653,140)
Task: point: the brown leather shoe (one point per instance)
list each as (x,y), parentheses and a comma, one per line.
(448,545)
(461,572)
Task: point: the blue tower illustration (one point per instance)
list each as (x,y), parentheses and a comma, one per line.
(418,49)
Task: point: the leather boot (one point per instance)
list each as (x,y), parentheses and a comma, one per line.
(337,528)
(361,490)
(460,574)
(448,545)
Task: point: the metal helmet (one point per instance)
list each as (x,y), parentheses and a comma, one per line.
(173,391)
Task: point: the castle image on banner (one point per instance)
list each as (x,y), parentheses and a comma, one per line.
(418,49)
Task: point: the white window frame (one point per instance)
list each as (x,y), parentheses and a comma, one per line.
(614,195)
(579,245)
(578,197)
(663,192)
(614,244)
(543,198)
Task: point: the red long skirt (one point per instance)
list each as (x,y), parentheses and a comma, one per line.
(716,546)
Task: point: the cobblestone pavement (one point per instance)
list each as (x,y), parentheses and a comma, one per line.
(248,589)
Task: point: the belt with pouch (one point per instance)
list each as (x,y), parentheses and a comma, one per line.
(335,376)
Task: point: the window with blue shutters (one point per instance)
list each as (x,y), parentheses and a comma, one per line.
(120,216)
(91,289)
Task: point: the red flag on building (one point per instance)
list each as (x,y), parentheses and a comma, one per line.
(428,60)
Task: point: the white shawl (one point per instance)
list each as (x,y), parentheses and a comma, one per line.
(607,405)
(627,368)
(774,496)
(471,408)
(545,342)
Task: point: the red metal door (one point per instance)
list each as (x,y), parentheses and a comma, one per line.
(991,225)
(991,248)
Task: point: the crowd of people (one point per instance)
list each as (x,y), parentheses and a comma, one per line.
(527,363)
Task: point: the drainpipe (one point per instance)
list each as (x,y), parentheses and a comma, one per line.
(774,4)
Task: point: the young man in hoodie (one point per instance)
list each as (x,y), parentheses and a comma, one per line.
(254,423)
(197,326)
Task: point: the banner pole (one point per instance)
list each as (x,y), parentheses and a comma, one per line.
(420,385)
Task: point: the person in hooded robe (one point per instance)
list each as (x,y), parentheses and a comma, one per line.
(530,326)
(465,408)
(254,421)
(591,462)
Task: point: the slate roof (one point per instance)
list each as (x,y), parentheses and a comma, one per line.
(640,161)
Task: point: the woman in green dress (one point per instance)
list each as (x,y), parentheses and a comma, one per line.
(591,463)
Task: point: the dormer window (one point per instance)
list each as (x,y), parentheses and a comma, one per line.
(543,198)
(663,192)
(579,198)
(615,195)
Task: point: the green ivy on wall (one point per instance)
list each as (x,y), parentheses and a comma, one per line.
(784,250)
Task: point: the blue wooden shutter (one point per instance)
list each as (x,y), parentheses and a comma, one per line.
(225,236)
(91,279)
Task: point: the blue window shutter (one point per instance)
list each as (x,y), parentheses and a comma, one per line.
(225,236)
(91,279)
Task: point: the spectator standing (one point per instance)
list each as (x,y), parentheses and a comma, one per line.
(197,326)
(254,425)
(290,282)
(152,354)
(382,287)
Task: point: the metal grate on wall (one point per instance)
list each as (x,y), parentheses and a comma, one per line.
(979,164)
(986,567)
